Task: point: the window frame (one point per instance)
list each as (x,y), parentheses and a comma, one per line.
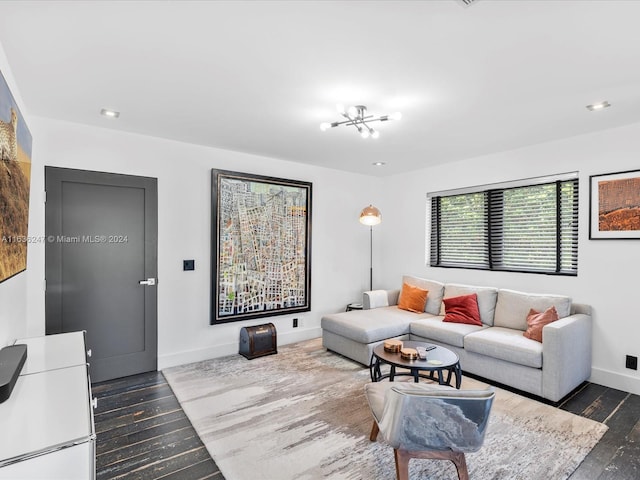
(566,219)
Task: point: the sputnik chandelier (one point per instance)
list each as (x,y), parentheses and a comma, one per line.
(357,116)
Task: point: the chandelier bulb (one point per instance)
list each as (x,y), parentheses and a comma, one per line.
(364,133)
(325,126)
(375,133)
(353,112)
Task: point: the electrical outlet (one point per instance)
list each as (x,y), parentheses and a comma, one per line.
(188,265)
(295,323)
(632,362)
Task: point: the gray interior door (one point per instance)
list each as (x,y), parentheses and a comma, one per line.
(101,231)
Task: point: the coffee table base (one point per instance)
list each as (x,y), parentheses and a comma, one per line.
(377,375)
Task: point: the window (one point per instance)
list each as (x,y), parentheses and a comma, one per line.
(524,226)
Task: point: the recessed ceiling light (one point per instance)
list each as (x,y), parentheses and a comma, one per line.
(378,164)
(598,106)
(109,113)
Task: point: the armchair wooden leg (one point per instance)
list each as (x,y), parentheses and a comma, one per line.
(402,463)
(374,431)
(460,462)
(402,458)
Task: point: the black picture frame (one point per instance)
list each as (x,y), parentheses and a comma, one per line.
(614,206)
(260,246)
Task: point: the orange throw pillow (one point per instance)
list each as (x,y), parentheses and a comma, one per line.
(537,320)
(412,298)
(462,309)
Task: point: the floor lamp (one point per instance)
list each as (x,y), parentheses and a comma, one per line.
(370,216)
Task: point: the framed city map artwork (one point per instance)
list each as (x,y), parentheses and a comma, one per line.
(15,175)
(261,246)
(615,206)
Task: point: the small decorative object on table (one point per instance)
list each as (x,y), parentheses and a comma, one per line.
(392,346)
(409,353)
(354,306)
(258,341)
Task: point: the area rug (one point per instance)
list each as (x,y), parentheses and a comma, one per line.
(302,414)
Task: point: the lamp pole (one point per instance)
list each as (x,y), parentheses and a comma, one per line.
(371,257)
(370,216)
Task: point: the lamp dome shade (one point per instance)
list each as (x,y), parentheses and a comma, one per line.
(370,216)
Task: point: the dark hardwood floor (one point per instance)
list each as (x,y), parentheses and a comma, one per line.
(617,454)
(143,433)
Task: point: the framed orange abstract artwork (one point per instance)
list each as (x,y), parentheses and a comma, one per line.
(615,206)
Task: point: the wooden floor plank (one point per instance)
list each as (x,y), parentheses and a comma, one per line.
(140,436)
(595,402)
(133,382)
(581,400)
(153,470)
(605,405)
(594,464)
(205,470)
(108,403)
(128,414)
(625,464)
(145,447)
(157,455)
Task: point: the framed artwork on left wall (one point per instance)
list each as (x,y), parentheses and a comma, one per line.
(260,247)
(15,179)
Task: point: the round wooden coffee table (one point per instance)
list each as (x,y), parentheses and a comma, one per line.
(438,361)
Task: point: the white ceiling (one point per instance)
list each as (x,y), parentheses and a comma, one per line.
(260,76)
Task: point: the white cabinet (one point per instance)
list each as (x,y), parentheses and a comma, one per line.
(47,423)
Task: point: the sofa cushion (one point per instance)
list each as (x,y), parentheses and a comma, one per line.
(506,344)
(537,320)
(412,298)
(366,326)
(462,309)
(513,307)
(450,333)
(435,289)
(486,299)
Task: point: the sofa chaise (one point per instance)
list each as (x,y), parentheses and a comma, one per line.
(496,349)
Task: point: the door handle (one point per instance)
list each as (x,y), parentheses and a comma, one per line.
(148,281)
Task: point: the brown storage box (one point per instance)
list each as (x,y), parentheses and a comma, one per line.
(258,341)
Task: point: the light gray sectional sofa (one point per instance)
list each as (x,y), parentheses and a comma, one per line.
(497,350)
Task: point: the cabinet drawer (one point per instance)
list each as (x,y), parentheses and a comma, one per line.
(46,412)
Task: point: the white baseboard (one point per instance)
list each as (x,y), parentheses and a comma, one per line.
(222,350)
(615,380)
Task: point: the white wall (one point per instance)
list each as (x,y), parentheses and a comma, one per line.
(339,261)
(13,305)
(607,269)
